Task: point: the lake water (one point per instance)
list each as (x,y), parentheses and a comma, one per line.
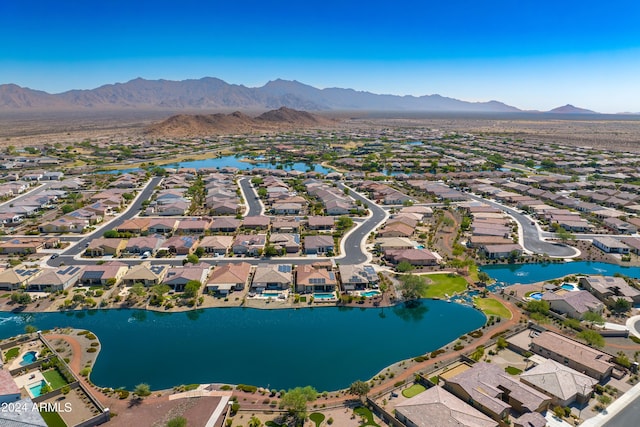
(235,162)
(327,347)
(532,273)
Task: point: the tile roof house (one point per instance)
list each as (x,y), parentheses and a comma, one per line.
(288,242)
(320,222)
(94,275)
(178,277)
(228,278)
(495,393)
(181,245)
(216,244)
(193,226)
(318,244)
(272,277)
(422,257)
(437,407)
(17,277)
(56,279)
(310,279)
(573,304)
(358,276)
(103,246)
(609,288)
(140,245)
(146,273)
(563,384)
(134,225)
(256,222)
(249,244)
(225,225)
(162,225)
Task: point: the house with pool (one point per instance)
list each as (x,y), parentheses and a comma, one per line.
(573,304)
(318,281)
(228,278)
(358,277)
(610,288)
(272,277)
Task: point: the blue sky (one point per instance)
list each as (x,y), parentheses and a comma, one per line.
(530,54)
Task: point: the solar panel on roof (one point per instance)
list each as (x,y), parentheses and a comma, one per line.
(284,268)
(92,274)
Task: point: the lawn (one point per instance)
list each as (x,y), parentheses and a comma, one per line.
(492,307)
(55,379)
(441,284)
(317,418)
(512,370)
(367,415)
(53,419)
(12,353)
(413,390)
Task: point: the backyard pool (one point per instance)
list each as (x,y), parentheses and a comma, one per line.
(36,389)
(324,295)
(370,294)
(536,296)
(28,358)
(569,287)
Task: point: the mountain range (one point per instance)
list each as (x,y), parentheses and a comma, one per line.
(210,93)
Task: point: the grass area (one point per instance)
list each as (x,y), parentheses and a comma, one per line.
(55,379)
(53,419)
(317,418)
(512,370)
(435,379)
(414,390)
(367,415)
(442,284)
(12,353)
(473,273)
(492,307)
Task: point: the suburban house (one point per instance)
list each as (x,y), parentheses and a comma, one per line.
(55,279)
(21,246)
(176,208)
(140,245)
(396,229)
(285,226)
(287,208)
(493,392)
(502,251)
(162,225)
(310,279)
(64,224)
(272,277)
(610,245)
(320,223)
(418,257)
(228,278)
(573,304)
(225,225)
(610,288)
(318,244)
(216,244)
(573,354)
(146,273)
(358,277)
(103,246)
(193,226)
(389,243)
(18,277)
(223,207)
(102,275)
(9,392)
(134,226)
(181,245)
(249,244)
(563,384)
(256,222)
(178,277)
(437,407)
(287,242)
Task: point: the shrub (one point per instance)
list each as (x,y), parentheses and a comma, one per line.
(123,394)
(92,350)
(398,383)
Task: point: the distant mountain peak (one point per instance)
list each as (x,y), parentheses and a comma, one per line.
(570,109)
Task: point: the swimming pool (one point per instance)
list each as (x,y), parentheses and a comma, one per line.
(569,287)
(370,294)
(324,295)
(270,294)
(536,296)
(28,358)
(36,389)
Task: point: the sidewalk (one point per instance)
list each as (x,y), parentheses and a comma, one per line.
(616,407)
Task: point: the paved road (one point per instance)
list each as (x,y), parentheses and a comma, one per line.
(531,235)
(254,204)
(627,417)
(354,252)
(67,256)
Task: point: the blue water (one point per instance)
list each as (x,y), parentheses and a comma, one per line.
(271,294)
(220,345)
(232,161)
(370,294)
(568,287)
(28,358)
(36,390)
(321,295)
(531,273)
(536,296)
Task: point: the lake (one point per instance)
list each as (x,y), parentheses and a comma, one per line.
(327,347)
(531,273)
(235,162)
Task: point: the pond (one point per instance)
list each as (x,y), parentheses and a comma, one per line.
(531,273)
(327,348)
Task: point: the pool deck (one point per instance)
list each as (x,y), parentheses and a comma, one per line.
(30,379)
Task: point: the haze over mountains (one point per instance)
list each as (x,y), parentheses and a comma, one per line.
(211,93)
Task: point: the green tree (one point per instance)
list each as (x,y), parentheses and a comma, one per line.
(255,422)
(177,422)
(295,401)
(360,388)
(142,390)
(270,251)
(29,329)
(191,259)
(344,223)
(501,343)
(592,338)
(593,317)
(484,277)
(541,307)
(412,287)
(137,289)
(191,288)
(404,266)
(21,298)
(564,235)
(110,234)
(621,305)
